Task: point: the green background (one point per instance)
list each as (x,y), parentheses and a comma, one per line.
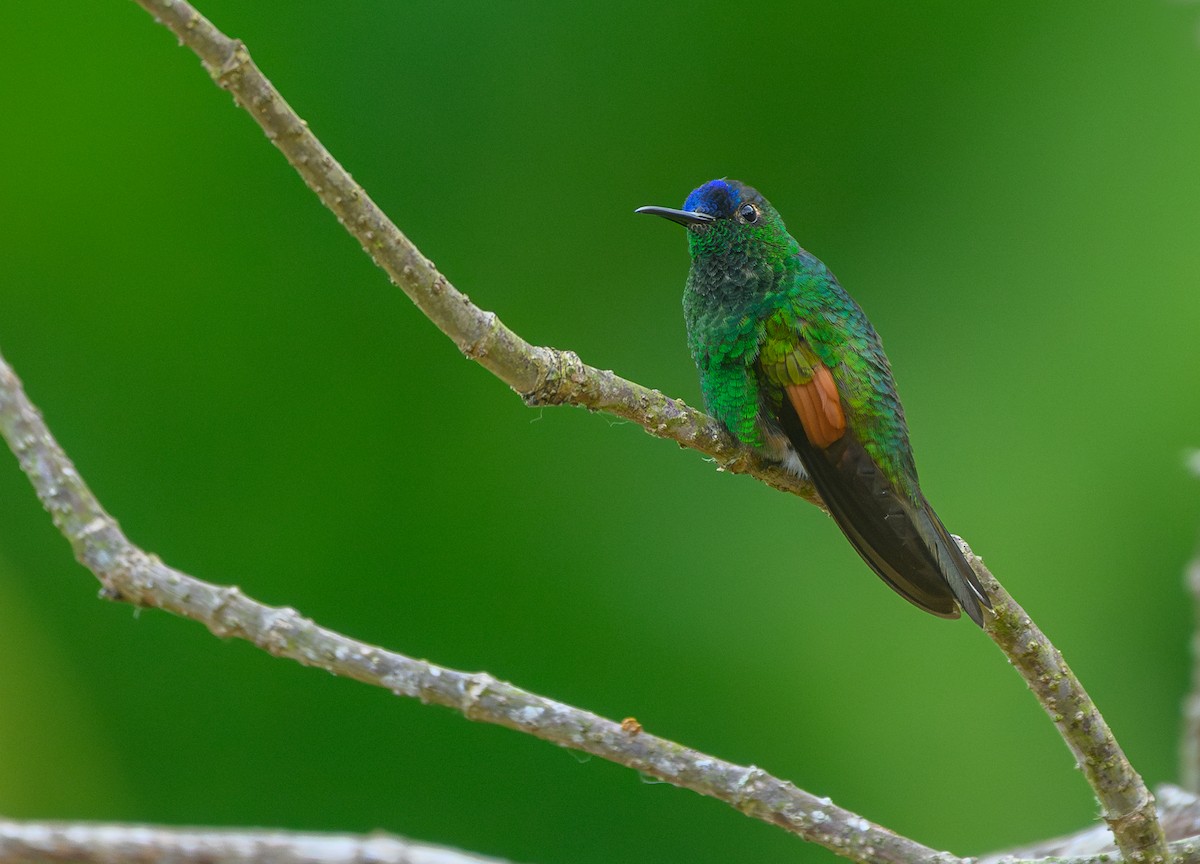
(1010,190)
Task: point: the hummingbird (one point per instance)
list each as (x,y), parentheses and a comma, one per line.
(790,365)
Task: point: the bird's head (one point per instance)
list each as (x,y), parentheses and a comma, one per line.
(727,216)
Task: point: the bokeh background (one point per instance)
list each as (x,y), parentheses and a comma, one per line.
(1012,191)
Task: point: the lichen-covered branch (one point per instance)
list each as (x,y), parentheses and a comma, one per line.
(95,843)
(128,574)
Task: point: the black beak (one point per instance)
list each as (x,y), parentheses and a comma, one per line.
(686,218)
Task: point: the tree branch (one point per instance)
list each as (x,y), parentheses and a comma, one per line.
(128,574)
(1190,745)
(99,843)
(545,376)
(95,843)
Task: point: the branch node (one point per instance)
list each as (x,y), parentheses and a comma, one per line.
(278,635)
(478,347)
(558,381)
(222,624)
(97,525)
(403,684)
(745,789)
(229,73)
(474,689)
(111,592)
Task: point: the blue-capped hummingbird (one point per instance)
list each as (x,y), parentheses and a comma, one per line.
(790,364)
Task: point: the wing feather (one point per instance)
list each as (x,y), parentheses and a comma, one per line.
(898,535)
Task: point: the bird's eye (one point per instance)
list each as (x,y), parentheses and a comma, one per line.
(748,213)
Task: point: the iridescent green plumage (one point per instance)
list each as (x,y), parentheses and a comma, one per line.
(788,362)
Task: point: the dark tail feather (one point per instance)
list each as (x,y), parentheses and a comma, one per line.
(904,542)
(951,562)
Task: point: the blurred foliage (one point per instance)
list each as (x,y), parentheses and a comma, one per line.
(1010,190)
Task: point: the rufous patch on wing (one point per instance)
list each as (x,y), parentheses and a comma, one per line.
(819,407)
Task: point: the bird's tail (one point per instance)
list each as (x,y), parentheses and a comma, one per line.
(902,540)
(951,562)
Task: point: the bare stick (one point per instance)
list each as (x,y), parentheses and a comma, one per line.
(128,574)
(95,843)
(1190,745)
(546,376)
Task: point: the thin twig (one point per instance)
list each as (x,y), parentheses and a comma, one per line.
(128,574)
(545,376)
(1190,749)
(1190,745)
(97,843)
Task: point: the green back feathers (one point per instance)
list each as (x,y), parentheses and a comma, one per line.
(751,307)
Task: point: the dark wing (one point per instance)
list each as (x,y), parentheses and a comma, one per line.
(900,538)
